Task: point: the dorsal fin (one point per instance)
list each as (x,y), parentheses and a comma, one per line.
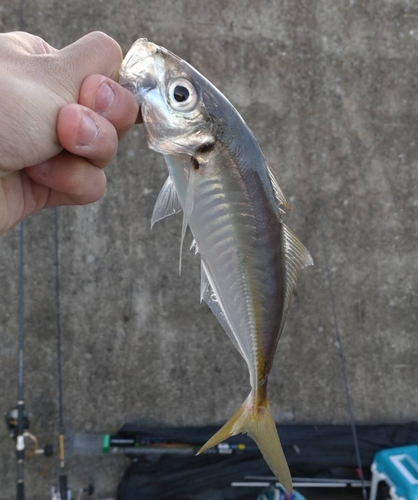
(296,257)
(278,193)
(167,202)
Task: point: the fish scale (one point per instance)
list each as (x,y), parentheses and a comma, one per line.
(232,202)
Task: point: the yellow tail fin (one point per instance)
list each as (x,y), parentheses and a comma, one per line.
(258,423)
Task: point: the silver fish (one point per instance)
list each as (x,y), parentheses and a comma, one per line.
(232,203)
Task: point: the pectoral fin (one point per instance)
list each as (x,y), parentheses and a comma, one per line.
(167,202)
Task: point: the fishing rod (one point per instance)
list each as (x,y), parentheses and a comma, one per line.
(304,482)
(62,492)
(63,481)
(339,346)
(132,444)
(20,425)
(17,420)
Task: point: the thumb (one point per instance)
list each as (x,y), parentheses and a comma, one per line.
(95,53)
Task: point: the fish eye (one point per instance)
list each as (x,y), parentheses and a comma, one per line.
(183,95)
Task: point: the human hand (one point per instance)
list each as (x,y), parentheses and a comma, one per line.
(61,116)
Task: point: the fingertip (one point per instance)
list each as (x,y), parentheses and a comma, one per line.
(104,97)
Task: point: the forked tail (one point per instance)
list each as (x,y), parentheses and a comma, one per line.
(257,421)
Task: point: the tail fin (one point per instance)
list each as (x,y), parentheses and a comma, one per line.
(258,423)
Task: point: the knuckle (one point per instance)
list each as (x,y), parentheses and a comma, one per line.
(109,43)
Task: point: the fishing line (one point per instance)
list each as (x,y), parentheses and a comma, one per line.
(63,487)
(338,344)
(22,15)
(20,439)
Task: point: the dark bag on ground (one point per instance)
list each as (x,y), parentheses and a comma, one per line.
(323,451)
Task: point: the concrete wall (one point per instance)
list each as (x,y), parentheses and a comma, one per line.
(329,89)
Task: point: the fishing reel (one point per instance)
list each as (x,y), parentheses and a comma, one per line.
(11,419)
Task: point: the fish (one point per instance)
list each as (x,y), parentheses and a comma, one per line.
(233,205)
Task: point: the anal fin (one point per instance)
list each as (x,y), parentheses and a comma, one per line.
(208,294)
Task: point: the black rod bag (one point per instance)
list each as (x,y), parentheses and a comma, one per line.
(314,451)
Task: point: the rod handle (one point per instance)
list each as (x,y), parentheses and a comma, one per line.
(63,487)
(20,491)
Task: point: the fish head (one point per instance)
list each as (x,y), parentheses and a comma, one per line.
(170,93)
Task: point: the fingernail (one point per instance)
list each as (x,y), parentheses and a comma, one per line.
(104,98)
(88,130)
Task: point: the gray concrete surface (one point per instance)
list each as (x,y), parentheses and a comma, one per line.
(329,89)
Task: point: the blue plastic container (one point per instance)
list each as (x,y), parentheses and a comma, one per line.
(399,468)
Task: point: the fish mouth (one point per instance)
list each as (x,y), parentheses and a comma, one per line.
(126,84)
(137,72)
